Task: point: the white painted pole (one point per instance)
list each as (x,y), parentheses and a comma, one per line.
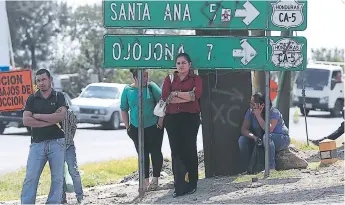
(4,36)
(267,120)
(267,124)
(141,135)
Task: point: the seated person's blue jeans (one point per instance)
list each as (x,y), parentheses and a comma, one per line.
(71,159)
(278,142)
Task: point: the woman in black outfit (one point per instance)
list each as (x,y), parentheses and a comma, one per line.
(182,121)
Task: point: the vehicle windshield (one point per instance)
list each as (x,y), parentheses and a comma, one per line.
(100,92)
(313,78)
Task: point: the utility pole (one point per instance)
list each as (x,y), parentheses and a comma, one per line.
(141,135)
(259,76)
(284,90)
(222,117)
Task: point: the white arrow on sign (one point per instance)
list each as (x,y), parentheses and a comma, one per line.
(247,52)
(249,13)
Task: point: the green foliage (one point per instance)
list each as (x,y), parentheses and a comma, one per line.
(100,173)
(124,76)
(33,24)
(68,41)
(87,29)
(158,76)
(331,55)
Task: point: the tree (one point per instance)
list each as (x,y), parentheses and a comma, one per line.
(87,29)
(81,48)
(32,26)
(124,76)
(331,55)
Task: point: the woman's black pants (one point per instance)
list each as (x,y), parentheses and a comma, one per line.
(153,138)
(182,129)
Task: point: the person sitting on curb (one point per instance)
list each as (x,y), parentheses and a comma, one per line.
(255,120)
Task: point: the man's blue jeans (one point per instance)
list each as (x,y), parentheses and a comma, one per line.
(71,159)
(278,142)
(54,152)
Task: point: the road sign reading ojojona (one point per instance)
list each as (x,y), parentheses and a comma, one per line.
(241,14)
(207,52)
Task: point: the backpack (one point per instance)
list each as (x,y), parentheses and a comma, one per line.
(70,120)
(257,160)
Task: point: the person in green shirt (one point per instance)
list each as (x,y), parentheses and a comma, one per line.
(153,125)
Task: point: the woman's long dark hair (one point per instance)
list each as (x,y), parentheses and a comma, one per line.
(134,73)
(260,98)
(187,57)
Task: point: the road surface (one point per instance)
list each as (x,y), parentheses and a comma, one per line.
(95,144)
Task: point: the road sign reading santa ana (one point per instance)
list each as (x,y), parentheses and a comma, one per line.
(207,52)
(275,15)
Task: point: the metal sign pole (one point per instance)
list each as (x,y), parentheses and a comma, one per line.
(267,124)
(141,134)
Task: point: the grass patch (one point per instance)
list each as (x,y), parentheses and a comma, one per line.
(201,174)
(303,146)
(316,166)
(94,174)
(273,175)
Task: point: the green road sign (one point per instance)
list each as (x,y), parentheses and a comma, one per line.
(207,52)
(275,15)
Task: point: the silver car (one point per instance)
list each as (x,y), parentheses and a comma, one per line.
(99,103)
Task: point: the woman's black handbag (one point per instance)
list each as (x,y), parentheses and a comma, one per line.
(257,160)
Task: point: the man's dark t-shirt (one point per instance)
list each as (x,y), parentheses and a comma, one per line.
(37,104)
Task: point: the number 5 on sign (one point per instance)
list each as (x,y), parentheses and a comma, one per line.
(210,47)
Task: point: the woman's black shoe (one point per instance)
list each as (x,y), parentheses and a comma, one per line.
(186,193)
(191,191)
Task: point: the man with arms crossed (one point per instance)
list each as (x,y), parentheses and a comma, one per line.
(44,110)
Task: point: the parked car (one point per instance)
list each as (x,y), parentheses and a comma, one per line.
(15,118)
(99,103)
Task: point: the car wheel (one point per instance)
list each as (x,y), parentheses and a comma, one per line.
(114,122)
(2,128)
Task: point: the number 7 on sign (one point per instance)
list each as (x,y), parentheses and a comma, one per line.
(210,47)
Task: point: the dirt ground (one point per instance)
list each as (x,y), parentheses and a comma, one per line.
(310,185)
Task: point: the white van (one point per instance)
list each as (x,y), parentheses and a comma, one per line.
(323,92)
